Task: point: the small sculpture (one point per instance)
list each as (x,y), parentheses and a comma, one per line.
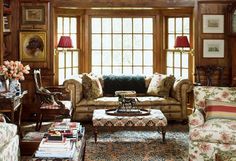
(127,104)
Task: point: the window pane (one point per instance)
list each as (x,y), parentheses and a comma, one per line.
(177,72)
(185,60)
(127,25)
(171,25)
(179,25)
(177,59)
(96,57)
(127,58)
(106,57)
(96,41)
(169,59)
(74,40)
(75,71)
(68,59)
(137,70)
(148,58)
(148,70)
(106,25)
(148,25)
(61,58)
(137,57)
(66,25)
(169,71)
(184,73)
(186,25)
(73,26)
(171,41)
(59,25)
(96,25)
(106,41)
(75,59)
(148,41)
(61,74)
(127,70)
(137,41)
(96,70)
(137,25)
(117,42)
(106,70)
(117,70)
(127,41)
(117,25)
(117,58)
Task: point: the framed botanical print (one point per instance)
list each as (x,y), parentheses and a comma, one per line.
(213,48)
(213,23)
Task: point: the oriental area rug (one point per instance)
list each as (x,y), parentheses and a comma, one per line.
(137,145)
(132,145)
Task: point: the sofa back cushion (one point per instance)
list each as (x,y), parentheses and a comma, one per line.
(91,87)
(202,93)
(114,83)
(160,85)
(220,110)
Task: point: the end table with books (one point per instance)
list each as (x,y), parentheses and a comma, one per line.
(64,141)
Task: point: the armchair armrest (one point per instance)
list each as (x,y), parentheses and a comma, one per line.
(76,89)
(196,119)
(61,91)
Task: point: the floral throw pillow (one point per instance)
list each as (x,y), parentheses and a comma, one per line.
(160,85)
(91,87)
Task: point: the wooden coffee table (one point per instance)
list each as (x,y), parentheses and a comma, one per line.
(156,119)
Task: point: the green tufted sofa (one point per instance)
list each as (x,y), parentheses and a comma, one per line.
(174,107)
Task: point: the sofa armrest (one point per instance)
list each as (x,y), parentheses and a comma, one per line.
(181,88)
(196,119)
(76,90)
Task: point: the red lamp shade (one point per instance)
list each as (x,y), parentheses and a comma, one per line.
(181,42)
(65,42)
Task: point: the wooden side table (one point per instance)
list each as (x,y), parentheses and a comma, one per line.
(12,105)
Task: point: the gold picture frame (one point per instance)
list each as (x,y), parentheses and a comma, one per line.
(33,15)
(33,46)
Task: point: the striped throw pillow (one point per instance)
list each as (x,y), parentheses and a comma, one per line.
(220,110)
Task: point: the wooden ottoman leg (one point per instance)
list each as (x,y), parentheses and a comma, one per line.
(163,132)
(95,130)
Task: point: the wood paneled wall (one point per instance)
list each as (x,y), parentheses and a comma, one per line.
(217,7)
(201,7)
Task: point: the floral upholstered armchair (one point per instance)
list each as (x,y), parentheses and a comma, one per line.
(9,144)
(213,123)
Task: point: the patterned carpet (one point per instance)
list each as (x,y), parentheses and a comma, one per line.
(142,145)
(130,145)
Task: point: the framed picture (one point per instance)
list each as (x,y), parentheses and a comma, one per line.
(213,23)
(32,46)
(213,48)
(33,15)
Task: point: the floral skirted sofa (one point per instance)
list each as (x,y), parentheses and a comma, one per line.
(9,142)
(213,123)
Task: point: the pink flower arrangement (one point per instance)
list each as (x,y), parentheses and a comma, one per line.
(14,70)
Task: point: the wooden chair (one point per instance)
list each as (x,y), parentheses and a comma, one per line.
(209,75)
(52,101)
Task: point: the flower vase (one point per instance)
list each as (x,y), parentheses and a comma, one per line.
(14,86)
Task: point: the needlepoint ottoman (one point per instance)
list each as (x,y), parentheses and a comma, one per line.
(155,119)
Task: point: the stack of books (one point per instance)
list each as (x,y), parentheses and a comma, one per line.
(6,27)
(62,141)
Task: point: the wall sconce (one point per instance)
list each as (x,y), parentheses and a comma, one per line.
(182,42)
(65,42)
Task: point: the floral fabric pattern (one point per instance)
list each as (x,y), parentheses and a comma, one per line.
(207,137)
(9,145)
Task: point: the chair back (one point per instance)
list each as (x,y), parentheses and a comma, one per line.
(201,93)
(37,79)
